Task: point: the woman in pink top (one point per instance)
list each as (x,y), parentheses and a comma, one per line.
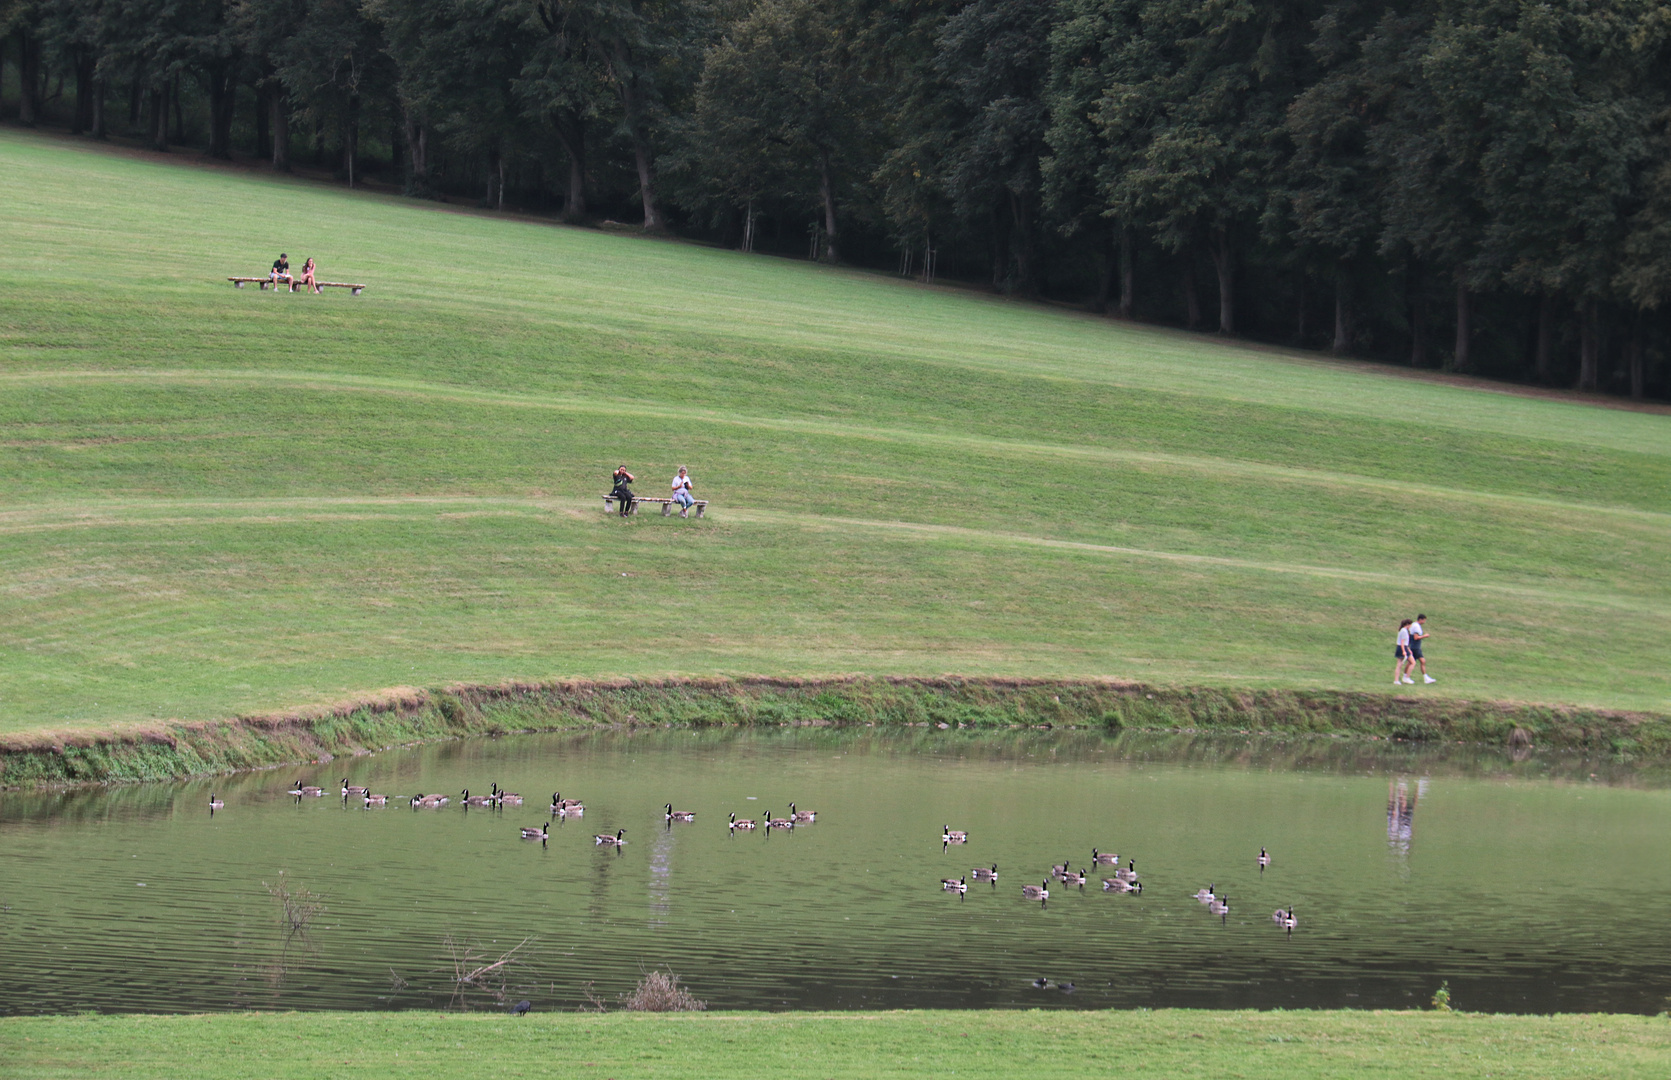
(307,277)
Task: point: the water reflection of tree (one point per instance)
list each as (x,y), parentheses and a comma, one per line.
(297,906)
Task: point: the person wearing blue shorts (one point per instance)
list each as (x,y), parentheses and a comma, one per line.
(1417,635)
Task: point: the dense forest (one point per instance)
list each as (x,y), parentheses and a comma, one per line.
(1482,186)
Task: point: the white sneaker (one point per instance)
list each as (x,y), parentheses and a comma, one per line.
(1396,682)
(1429,678)
(1409,680)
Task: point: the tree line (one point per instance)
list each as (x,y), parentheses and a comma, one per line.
(1482,186)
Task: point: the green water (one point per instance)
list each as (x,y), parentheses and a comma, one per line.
(1529,886)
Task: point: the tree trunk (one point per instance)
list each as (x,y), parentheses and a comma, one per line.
(29,78)
(626,84)
(832,251)
(1634,359)
(136,91)
(98,131)
(1341,337)
(1127,281)
(1464,328)
(159,117)
(1192,299)
(417,150)
(1589,346)
(223,99)
(263,111)
(83,117)
(501,182)
(1225,265)
(1026,265)
(351,138)
(179,110)
(571,132)
(1000,245)
(280,105)
(1543,359)
(1302,318)
(1107,265)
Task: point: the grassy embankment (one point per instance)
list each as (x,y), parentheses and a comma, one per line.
(217,503)
(1283,1045)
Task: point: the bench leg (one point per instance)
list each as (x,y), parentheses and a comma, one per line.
(237,284)
(356,292)
(701,508)
(666,508)
(608,504)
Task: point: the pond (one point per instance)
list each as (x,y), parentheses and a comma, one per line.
(1530,886)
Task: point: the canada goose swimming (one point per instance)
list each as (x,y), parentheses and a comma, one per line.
(1221,908)
(779,822)
(1129,873)
(801,817)
(375,800)
(1206,896)
(1284,917)
(1264,860)
(1103,858)
(1066,988)
(566,807)
(611,841)
(1041,983)
(1040,892)
(476,800)
(1058,869)
(1071,878)
(950,835)
(745,823)
(535,834)
(215,802)
(348,789)
(956,885)
(1116,885)
(680,815)
(505,798)
(985,875)
(421,801)
(311,790)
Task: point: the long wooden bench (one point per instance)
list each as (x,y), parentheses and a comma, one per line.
(667,505)
(263,282)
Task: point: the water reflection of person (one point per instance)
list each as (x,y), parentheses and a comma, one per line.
(1401,812)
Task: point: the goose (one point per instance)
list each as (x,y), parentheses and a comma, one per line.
(680,815)
(985,875)
(1284,917)
(779,822)
(1103,858)
(560,805)
(1071,878)
(421,801)
(505,798)
(535,834)
(1206,896)
(949,835)
(348,789)
(1066,988)
(1041,983)
(745,823)
(606,840)
(375,800)
(1129,873)
(1039,892)
(476,800)
(956,885)
(1264,860)
(215,802)
(1116,885)
(801,816)
(1058,869)
(311,790)
(1221,908)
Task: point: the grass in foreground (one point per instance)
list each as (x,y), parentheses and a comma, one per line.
(217,502)
(893,1044)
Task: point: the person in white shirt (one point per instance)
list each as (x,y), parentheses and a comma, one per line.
(681,492)
(1417,636)
(1401,654)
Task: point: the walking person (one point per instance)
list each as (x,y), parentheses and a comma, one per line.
(1417,636)
(681,492)
(622,493)
(1401,654)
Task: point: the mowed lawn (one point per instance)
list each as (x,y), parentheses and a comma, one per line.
(216,501)
(1169,1043)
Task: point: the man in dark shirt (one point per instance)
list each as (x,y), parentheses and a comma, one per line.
(281,269)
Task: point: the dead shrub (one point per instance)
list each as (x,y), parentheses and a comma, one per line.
(659,991)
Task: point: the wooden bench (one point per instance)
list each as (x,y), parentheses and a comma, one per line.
(263,282)
(667,505)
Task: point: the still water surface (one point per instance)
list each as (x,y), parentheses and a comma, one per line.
(1527,891)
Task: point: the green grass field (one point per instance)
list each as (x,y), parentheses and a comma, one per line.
(620,1046)
(217,501)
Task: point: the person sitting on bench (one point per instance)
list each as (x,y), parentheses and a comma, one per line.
(308,284)
(681,492)
(622,494)
(281,270)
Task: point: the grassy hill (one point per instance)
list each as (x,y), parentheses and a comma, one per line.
(217,501)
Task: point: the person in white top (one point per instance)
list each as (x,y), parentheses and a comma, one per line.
(1401,654)
(681,492)
(1417,636)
